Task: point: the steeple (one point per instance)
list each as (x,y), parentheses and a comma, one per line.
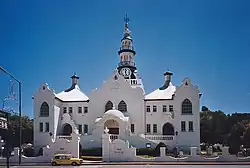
(126,66)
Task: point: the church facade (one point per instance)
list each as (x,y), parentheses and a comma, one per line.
(170,114)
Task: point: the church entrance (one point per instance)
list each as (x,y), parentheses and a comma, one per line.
(67,130)
(113,126)
(167,129)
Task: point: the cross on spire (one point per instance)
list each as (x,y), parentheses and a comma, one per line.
(126,19)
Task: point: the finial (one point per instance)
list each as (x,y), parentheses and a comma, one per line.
(126,19)
(113,107)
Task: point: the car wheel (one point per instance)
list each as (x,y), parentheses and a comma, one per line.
(73,164)
(53,164)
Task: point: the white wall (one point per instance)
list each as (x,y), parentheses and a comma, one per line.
(47,95)
(116,91)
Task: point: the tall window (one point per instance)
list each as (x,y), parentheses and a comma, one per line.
(70,110)
(171,108)
(85,129)
(154,108)
(148,108)
(132,128)
(183,126)
(164,108)
(190,126)
(154,128)
(64,109)
(80,128)
(148,128)
(44,110)
(41,127)
(85,109)
(46,127)
(122,106)
(108,106)
(79,109)
(186,107)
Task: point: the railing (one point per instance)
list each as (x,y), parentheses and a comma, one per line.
(127,47)
(65,137)
(113,137)
(126,63)
(133,81)
(159,137)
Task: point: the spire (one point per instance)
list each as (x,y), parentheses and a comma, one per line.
(127,32)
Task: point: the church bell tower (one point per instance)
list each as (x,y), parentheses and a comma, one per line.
(126,66)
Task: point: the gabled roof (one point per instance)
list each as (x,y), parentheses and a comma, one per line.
(162,94)
(74,94)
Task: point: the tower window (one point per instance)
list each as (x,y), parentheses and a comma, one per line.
(122,106)
(108,106)
(46,127)
(85,109)
(164,108)
(44,110)
(132,128)
(183,126)
(148,128)
(154,128)
(85,129)
(70,109)
(148,108)
(79,109)
(171,108)
(186,107)
(154,109)
(40,127)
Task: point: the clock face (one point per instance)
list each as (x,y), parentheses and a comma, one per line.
(126,72)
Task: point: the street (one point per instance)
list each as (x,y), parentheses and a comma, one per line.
(139,166)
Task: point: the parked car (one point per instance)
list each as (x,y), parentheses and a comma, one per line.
(65,159)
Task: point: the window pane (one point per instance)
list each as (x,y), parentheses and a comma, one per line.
(41,127)
(155,128)
(183,126)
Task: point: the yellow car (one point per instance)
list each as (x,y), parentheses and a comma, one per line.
(65,159)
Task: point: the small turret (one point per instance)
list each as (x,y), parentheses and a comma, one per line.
(168,76)
(74,79)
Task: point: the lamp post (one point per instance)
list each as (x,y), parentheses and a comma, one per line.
(20,111)
(6,126)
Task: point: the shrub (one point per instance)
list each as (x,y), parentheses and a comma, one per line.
(92,152)
(29,152)
(145,151)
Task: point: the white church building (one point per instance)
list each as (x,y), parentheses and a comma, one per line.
(170,114)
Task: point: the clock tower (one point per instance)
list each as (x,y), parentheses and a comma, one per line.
(126,66)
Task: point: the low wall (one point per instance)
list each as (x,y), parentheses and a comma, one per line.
(120,151)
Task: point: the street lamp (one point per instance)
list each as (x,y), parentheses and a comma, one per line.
(20,111)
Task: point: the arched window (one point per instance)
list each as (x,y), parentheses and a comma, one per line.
(186,107)
(108,106)
(167,129)
(122,106)
(44,110)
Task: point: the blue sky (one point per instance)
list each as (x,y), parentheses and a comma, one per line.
(206,40)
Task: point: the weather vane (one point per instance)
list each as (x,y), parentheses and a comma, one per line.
(126,19)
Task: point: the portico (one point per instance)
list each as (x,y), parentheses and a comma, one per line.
(114,120)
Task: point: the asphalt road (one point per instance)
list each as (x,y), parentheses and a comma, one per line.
(137,166)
